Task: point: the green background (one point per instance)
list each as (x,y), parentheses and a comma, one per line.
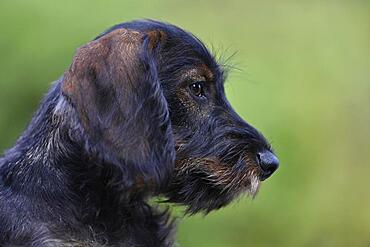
(303,79)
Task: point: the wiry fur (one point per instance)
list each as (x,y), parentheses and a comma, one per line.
(119,127)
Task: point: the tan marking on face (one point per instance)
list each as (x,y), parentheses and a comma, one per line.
(190,75)
(198,73)
(223,174)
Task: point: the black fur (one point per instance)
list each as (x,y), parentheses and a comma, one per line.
(119,127)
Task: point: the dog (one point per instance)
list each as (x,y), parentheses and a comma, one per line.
(140,113)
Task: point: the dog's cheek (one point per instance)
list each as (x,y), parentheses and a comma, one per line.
(185,101)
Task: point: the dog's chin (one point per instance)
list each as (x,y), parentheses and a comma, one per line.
(201,189)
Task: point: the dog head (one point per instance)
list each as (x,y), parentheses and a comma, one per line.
(151,100)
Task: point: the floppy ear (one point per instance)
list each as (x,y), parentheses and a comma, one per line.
(113,85)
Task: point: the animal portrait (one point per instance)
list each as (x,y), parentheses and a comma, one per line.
(140,113)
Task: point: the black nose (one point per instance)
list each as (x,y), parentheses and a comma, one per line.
(268,163)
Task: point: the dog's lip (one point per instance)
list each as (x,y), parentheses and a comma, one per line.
(264,175)
(259,173)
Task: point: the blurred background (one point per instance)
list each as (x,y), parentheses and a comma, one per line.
(302,78)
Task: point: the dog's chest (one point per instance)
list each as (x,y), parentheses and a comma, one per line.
(103,241)
(149,234)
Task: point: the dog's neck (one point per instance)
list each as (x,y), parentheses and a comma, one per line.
(44,150)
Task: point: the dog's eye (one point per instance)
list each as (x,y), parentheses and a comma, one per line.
(197,88)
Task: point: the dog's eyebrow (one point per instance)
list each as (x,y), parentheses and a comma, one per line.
(199,72)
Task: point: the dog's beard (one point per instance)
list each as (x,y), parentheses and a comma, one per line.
(203,185)
(248,186)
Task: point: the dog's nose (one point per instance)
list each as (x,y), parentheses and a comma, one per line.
(268,163)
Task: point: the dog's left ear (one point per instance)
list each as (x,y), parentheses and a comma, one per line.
(114,87)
